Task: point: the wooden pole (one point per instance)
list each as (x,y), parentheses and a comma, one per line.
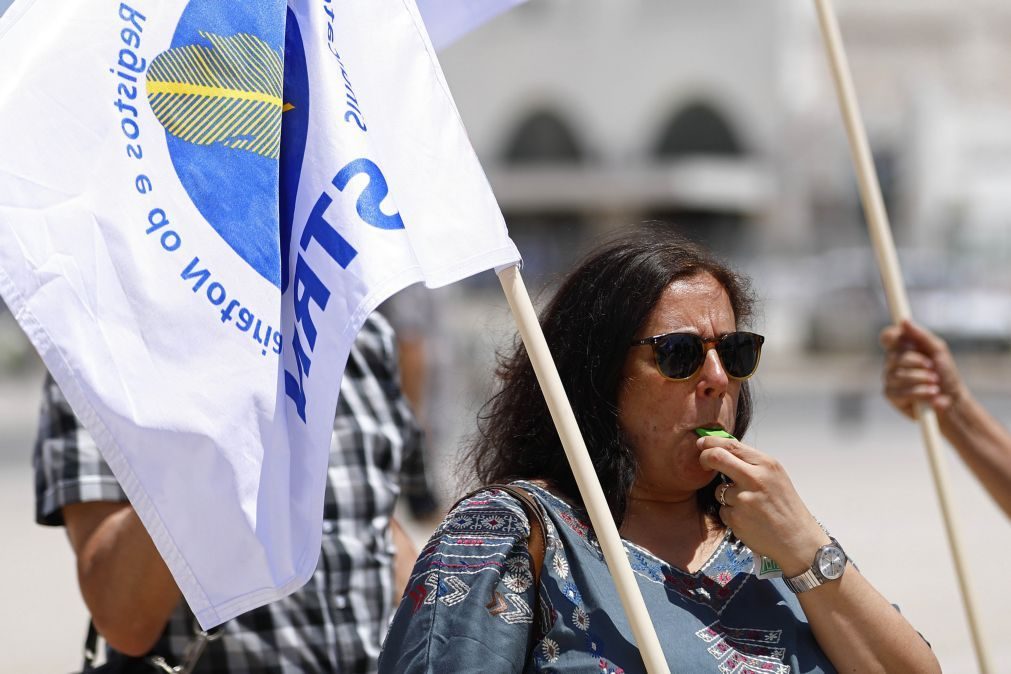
(582,470)
(898,303)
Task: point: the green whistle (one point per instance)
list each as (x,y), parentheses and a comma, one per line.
(715,432)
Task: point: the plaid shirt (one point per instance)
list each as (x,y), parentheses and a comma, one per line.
(337,621)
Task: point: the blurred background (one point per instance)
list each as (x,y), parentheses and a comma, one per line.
(719,119)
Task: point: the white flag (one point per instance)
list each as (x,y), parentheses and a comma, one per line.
(449,20)
(200,203)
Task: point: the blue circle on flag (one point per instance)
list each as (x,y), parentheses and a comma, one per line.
(232,93)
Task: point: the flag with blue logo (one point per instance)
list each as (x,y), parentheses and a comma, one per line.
(200,203)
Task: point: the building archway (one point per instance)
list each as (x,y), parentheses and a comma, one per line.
(547,237)
(697,129)
(696,139)
(542,136)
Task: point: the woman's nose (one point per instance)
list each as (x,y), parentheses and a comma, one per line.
(713,379)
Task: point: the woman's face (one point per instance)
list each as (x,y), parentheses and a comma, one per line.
(659,416)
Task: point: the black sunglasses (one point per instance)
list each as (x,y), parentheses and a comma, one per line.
(679,355)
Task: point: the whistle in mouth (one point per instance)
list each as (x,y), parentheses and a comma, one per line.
(715,432)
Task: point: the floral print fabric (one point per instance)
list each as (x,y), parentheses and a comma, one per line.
(471,604)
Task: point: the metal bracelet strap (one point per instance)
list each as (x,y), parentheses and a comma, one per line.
(804,582)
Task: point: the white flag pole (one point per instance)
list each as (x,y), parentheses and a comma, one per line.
(582,470)
(898,303)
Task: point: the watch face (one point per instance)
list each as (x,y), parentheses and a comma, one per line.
(831,562)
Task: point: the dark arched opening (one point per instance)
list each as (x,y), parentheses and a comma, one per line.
(698,131)
(542,136)
(547,238)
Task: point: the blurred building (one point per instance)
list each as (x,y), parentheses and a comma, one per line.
(721,118)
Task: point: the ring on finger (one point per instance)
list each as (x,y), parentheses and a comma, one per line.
(722,496)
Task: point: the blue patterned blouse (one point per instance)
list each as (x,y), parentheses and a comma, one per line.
(470,605)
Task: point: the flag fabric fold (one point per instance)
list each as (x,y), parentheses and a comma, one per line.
(200,203)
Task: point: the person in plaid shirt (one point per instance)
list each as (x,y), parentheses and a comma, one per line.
(335,623)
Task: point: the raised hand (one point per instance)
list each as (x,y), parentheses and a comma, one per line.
(919,368)
(762,506)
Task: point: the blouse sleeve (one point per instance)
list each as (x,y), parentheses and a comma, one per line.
(469,604)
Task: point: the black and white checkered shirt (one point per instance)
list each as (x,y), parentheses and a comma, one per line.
(337,621)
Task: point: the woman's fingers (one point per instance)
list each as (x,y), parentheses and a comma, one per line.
(913,392)
(916,356)
(909,345)
(909,335)
(744,452)
(721,460)
(748,468)
(911,360)
(922,339)
(730,457)
(910,376)
(890,337)
(903,365)
(760,505)
(908,380)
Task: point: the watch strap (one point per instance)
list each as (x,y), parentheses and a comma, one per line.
(804,582)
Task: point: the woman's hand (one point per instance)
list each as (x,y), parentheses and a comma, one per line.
(762,506)
(919,368)
(855,626)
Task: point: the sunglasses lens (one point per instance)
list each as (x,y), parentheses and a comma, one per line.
(679,355)
(739,353)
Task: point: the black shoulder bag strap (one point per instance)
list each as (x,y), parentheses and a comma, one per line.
(117,663)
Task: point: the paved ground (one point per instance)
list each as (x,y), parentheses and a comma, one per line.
(859,466)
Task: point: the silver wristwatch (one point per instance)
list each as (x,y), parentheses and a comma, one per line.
(829,564)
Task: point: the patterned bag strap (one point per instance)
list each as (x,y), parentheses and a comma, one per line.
(538,541)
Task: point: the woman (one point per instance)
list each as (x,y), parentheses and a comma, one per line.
(645,334)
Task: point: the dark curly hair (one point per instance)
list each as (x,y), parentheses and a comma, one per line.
(589,325)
